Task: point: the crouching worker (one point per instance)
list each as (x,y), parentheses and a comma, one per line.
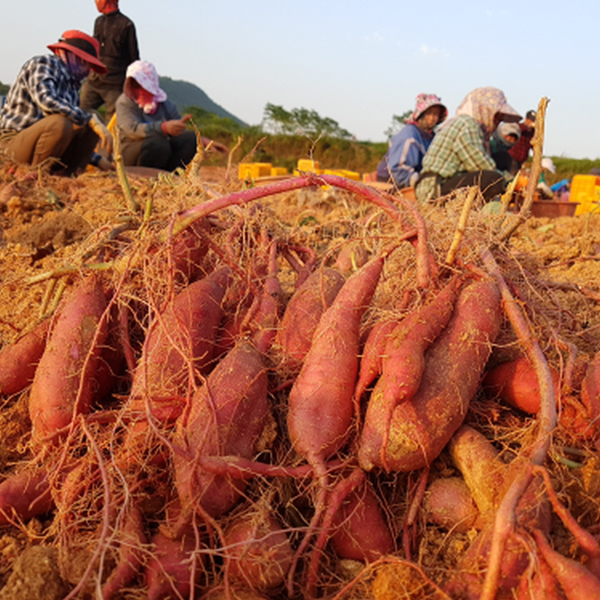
(42,118)
(152,133)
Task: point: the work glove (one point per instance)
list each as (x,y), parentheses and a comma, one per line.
(100,129)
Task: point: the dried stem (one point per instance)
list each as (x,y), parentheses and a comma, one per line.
(462,225)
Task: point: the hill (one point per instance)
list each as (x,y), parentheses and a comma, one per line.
(184,94)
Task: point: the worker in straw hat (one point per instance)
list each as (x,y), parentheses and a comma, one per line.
(42,117)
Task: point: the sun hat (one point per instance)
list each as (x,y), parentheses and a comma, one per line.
(145,74)
(509,129)
(548,165)
(82,45)
(426,101)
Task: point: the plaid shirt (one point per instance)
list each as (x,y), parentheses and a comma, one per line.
(457,148)
(43,87)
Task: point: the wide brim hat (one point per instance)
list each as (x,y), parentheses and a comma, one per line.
(144,72)
(82,45)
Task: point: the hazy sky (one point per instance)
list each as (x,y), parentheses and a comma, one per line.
(358,62)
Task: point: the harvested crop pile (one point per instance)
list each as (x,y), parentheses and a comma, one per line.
(294,390)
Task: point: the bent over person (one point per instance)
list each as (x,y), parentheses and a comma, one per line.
(42,118)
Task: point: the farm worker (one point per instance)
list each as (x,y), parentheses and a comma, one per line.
(459,154)
(502,140)
(42,115)
(520,151)
(152,133)
(403,160)
(118,49)
(542,187)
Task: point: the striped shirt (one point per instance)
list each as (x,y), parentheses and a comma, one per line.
(457,147)
(43,87)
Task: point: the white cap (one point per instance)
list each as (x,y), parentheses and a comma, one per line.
(548,165)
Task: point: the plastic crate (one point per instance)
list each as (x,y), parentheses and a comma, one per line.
(306,164)
(254,170)
(278,171)
(343,173)
(585,189)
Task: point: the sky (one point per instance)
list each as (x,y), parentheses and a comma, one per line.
(359,62)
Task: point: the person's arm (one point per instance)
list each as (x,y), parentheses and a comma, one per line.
(405,162)
(133,51)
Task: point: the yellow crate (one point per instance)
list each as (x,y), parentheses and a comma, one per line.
(254,170)
(585,189)
(306,164)
(277,171)
(343,173)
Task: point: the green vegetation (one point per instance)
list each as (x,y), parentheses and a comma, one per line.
(567,167)
(4,89)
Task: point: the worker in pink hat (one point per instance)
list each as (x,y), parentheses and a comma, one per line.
(42,118)
(403,161)
(117,37)
(152,133)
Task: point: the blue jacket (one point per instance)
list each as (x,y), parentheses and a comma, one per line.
(404,158)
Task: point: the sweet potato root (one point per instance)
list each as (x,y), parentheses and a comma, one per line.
(23,496)
(516,383)
(421,427)
(402,368)
(303,312)
(19,361)
(227,416)
(64,380)
(183,335)
(590,389)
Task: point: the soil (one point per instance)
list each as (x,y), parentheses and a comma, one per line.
(52,230)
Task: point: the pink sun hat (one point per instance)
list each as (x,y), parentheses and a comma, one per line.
(145,74)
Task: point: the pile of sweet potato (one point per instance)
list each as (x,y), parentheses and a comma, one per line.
(231,412)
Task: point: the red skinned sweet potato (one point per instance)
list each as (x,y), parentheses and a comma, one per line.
(131,554)
(184,333)
(257,550)
(19,361)
(189,248)
(361,531)
(517,384)
(64,381)
(321,400)
(168,573)
(575,579)
(23,496)
(227,416)
(422,426)
(590,389)
(401,370)
(449,505)
(303,312)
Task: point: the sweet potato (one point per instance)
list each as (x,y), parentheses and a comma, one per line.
(303,312)
(361,531)
(516,383)
(19,361)
(170,569)
(23,496)
(422,426)
(226,416)
(131,554)
(321,400)
(449,505)
(257,550)
(401,370)
(183,335)
(188,250)
(64,380)
(576,581)
(590,389)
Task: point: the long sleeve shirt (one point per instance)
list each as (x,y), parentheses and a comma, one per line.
(44,86)
(403,160)
(118,47)
(134,124)
(458,147)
